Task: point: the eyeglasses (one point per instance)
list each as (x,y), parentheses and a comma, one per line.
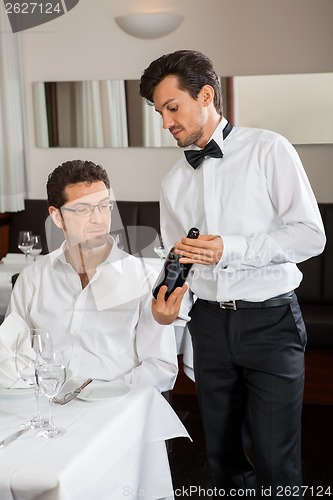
(85,210)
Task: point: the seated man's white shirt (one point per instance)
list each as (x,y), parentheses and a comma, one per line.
(114,335)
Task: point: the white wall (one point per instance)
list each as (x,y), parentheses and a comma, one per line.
(242,37)
(263,101)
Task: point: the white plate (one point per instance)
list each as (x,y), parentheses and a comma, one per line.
(104,391)
(16,393)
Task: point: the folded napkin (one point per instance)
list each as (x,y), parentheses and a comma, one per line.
(9,330)
(5,277)
(15,258)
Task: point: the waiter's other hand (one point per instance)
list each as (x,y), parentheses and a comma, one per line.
(207,249)
(166,311)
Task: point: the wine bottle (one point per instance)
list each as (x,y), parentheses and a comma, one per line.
(174,273)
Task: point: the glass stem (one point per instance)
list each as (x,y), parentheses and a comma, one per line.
(51,423)
(37,410)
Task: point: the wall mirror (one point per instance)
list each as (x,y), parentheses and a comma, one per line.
(110,113)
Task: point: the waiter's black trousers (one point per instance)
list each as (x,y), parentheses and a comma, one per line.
(249,371)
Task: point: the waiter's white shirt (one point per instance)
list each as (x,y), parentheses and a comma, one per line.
(259,200)
(113,333)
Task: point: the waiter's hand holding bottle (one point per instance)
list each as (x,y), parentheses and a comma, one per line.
(170,287)
(168,292)
(206,250)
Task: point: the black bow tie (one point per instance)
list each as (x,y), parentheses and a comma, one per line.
(196,156)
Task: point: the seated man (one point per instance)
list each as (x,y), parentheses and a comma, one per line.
(93,292)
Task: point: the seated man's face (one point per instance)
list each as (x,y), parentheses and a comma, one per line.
(91,230)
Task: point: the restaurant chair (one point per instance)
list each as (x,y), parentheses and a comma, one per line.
(14,278)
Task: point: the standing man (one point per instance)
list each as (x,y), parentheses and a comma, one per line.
(247,192)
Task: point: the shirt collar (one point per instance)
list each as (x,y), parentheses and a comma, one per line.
(218,132)
(217,135)
(115,257)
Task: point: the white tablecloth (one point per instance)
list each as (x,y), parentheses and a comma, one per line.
(110,451)
(11,264)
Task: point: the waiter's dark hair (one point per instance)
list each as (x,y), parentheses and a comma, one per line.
(193,69)
(72,172)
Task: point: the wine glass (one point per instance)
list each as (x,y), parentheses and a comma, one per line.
(32,345)
(25,243)
(51,374)
(51,377)
(36,246)
(119,240)
(160,251)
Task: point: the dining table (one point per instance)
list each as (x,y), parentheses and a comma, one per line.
(113,448)
(11,264)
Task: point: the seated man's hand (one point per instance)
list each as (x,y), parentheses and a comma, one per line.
(166,311)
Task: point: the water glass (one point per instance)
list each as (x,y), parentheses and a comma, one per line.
(160,251)
(36,248)
(32,346)
(51,377)
(25,243)
(119,240)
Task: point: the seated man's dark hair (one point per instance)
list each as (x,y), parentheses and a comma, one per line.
(72,172)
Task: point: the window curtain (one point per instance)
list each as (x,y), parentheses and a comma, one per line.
(113,98)
(40,115)
(101,119)
(89,123)
(12,159)
(154,135)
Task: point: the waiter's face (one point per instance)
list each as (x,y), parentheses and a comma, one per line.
(183,115)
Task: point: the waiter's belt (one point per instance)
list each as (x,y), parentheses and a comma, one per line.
(279,300)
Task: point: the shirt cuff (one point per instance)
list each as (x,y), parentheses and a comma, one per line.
(181,321)
(234,250)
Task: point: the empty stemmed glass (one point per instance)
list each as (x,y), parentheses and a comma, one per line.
(119,240)
(51,376)
(36,246)
(31,346)
(25,243)
(160,251)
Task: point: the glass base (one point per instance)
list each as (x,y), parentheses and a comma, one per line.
(51,432)
(35,423)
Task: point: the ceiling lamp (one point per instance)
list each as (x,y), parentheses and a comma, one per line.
(149,25)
